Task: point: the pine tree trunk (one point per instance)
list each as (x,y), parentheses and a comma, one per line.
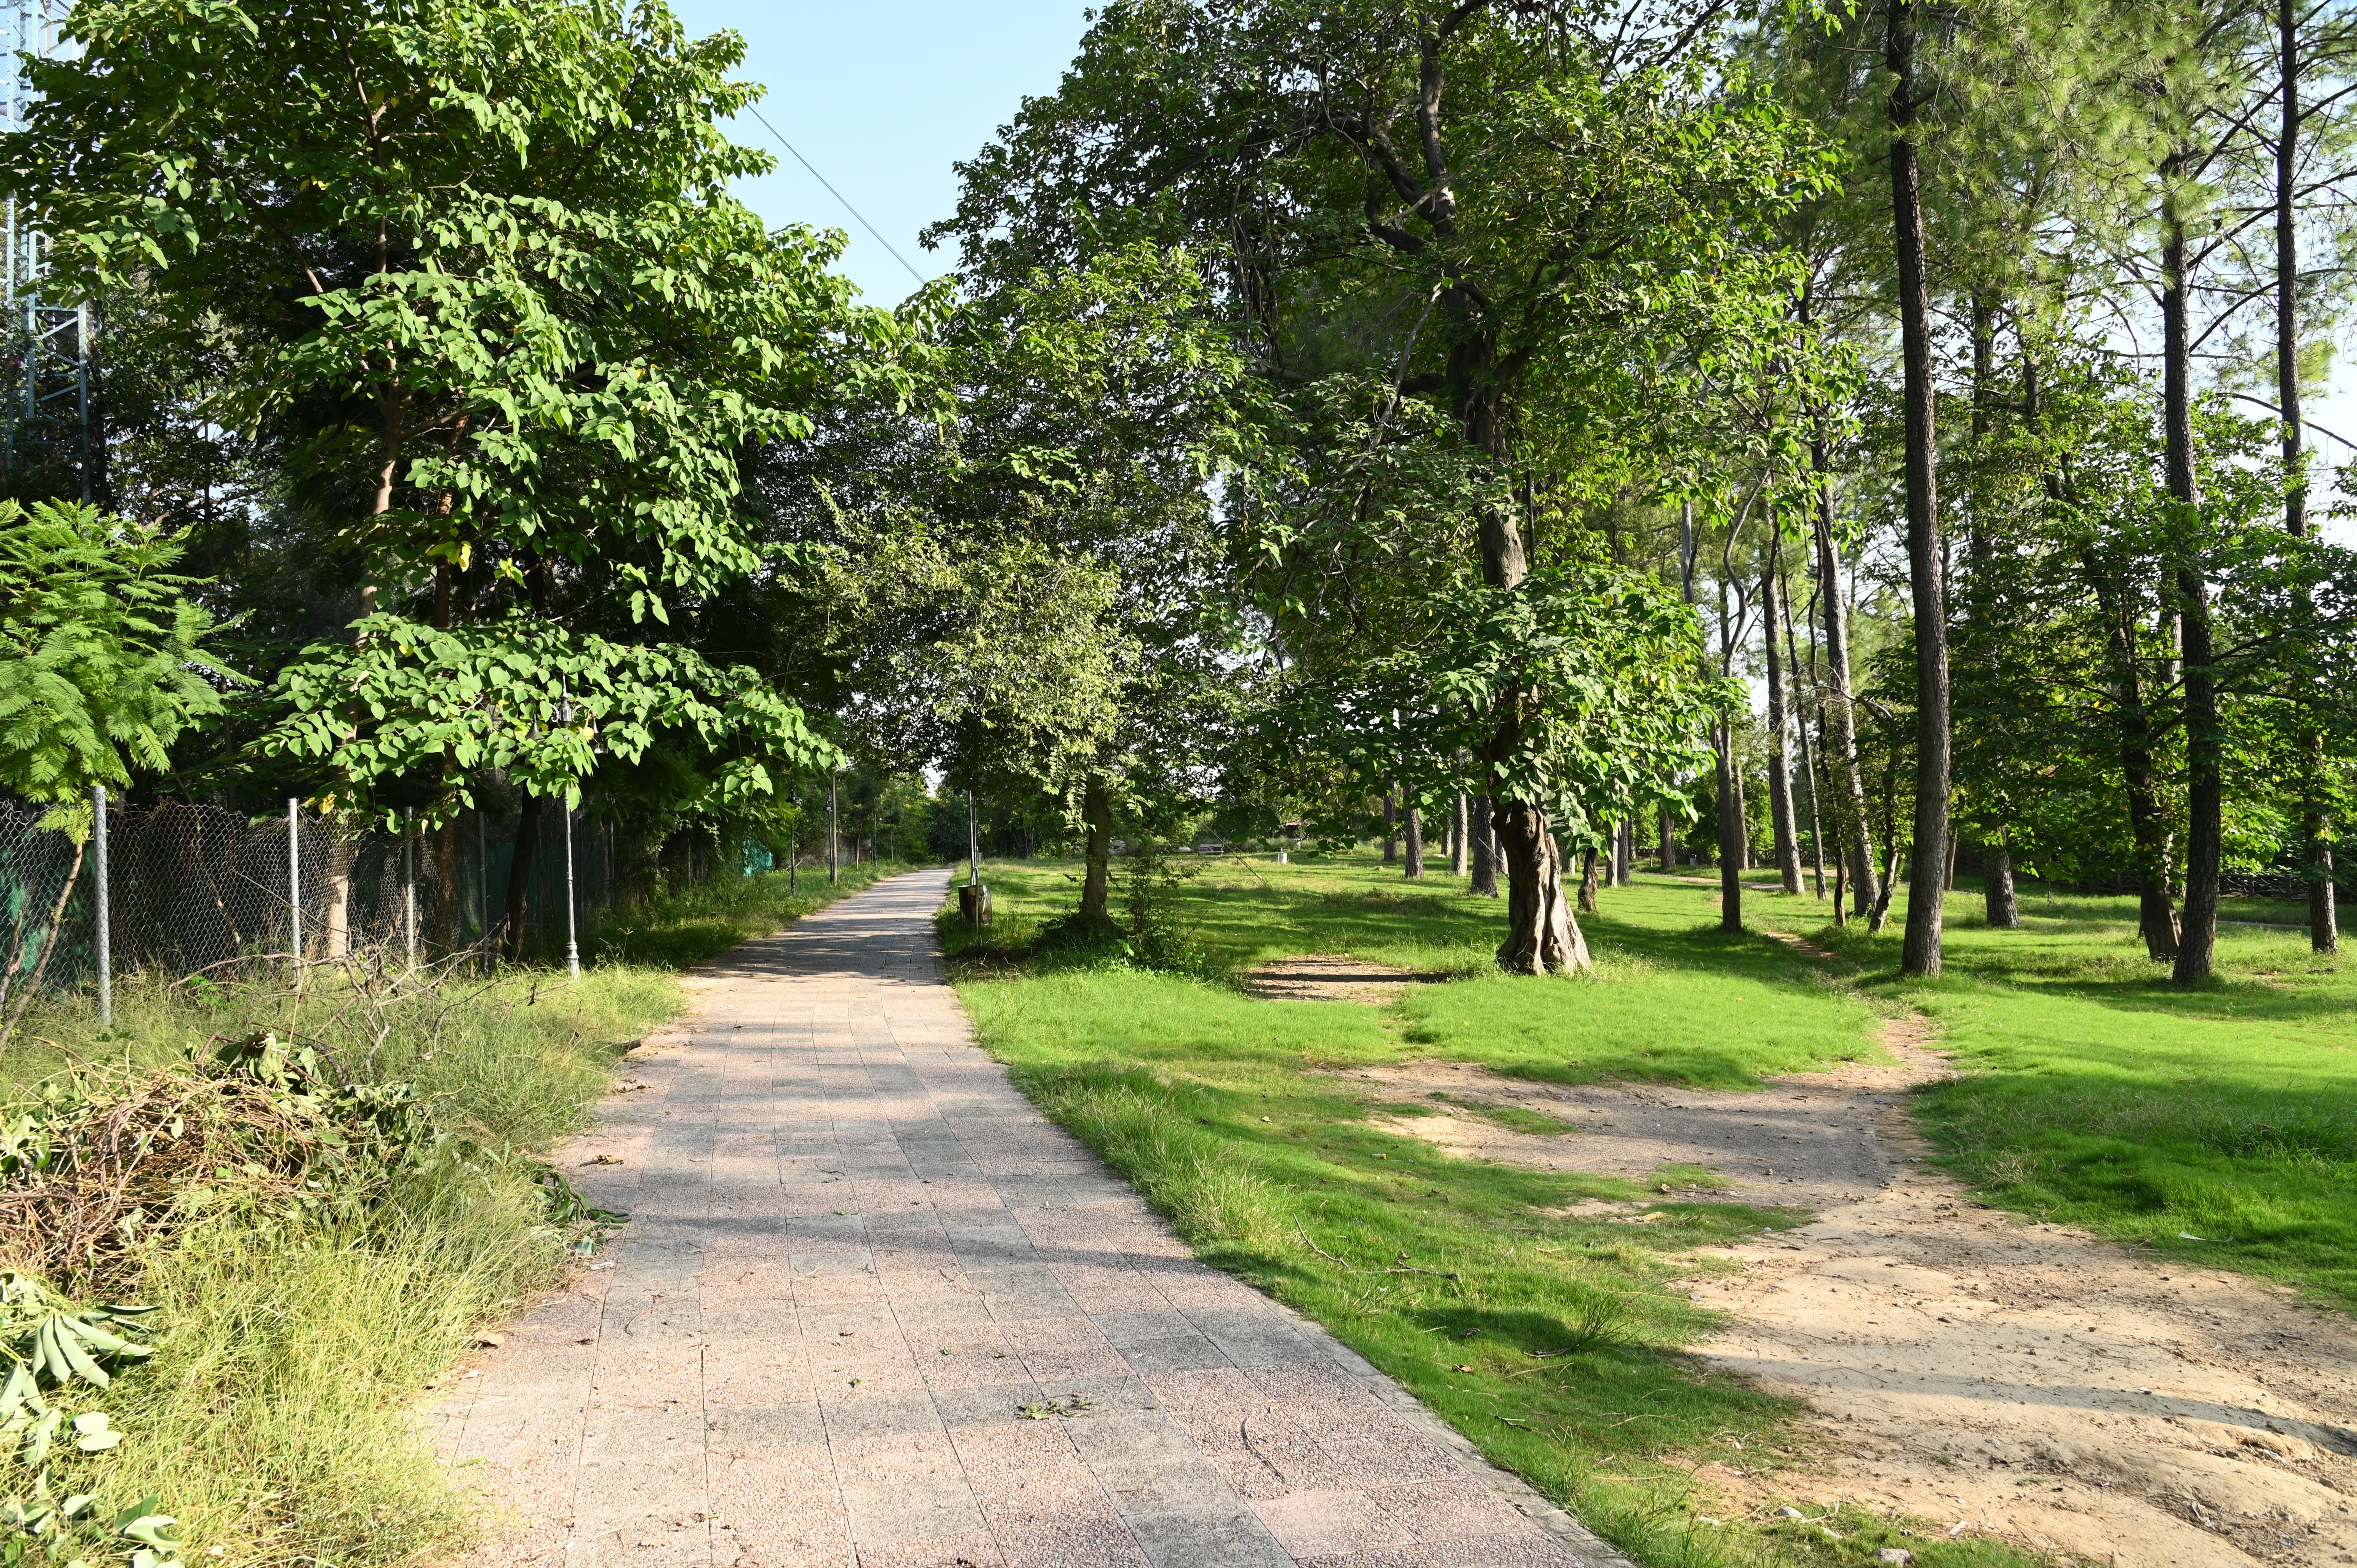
(1743,861)
(1841,732)
(1096,884)
(1808,751)
(1484,877)
(2204,745)
(1996,856)
(1926,558)
(1779,766)
(2148,832)
(1730,834)
(1840,717)
(2315,826)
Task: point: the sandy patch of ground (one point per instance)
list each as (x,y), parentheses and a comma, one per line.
(1997,1377)
(1329,977)
(2032,1382)
(1795,1142)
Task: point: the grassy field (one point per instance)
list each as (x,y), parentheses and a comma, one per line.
(273,1420)
(1218,1106)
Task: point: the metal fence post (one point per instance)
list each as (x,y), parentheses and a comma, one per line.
(294,880)
(105,915)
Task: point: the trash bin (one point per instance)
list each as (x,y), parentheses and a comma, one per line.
(974,904)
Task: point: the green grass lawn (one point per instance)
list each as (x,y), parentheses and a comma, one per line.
(1556,1344)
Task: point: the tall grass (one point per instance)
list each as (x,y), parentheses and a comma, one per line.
(275,1419)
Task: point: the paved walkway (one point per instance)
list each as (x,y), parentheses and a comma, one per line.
(857,1258)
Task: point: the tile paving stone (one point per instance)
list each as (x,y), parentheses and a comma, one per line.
(830,1186)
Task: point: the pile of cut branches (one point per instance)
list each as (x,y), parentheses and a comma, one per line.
(108,1159)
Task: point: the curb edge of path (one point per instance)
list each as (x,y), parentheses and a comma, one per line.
(1526,1498)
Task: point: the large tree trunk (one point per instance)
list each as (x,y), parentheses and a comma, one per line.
(1841,729)
(1779,766)
(1808,750)
(1587,878)
(2315,826)
(2148,823)
(1484,879)
(1926,558)
(519,862)
(1414,866)
(1730,834)
(1096,883)
(2204,745)
(1668,853)
(1543,936)
(1997,854)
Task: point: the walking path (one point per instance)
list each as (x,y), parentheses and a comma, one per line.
(873,1308)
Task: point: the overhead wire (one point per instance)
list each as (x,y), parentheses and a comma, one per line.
(837,194)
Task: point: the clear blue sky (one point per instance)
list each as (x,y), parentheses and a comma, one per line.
(883,98)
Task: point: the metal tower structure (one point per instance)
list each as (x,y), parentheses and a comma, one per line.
(48,418)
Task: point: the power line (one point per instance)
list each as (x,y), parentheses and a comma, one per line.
(837,195)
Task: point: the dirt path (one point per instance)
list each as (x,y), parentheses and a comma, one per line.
(1329,977)
(1994,1376)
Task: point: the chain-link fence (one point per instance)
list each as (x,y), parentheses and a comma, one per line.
(202,890)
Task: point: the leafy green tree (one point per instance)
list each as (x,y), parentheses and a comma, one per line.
(508,341)
(105,660)
(506,333)
(1022,601)
(1460,247)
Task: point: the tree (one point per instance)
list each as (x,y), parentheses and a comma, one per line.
(1926,555)
(506,333)
(104,662)
(1019,586)
(1459,246)
(107,658)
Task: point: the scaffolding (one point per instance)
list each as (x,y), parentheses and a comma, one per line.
(48,418)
